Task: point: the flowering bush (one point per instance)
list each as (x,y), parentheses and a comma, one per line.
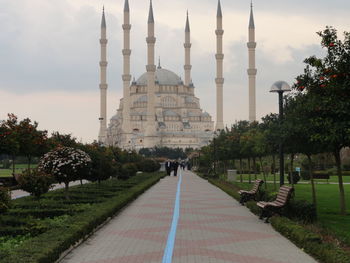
(35,182)
(65,164)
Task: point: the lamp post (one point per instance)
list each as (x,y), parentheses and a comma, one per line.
(280,87)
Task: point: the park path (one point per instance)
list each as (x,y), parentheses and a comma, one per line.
(212,228)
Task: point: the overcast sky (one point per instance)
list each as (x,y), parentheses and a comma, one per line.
(49,53)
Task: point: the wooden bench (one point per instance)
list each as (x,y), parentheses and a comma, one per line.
(282,199)
(249,195)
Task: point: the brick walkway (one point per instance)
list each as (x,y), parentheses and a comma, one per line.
(213,228)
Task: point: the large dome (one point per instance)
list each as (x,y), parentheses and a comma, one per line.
(163,76)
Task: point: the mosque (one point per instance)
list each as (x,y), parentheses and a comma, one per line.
(160,108)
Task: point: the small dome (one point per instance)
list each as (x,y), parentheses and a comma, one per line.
(115,117)
(205,114)
(163,77)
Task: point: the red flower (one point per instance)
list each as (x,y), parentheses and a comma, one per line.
(321,78)
(302,88)
(334,76)
(323,85)
(331,44)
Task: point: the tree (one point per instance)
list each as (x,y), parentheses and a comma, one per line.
(35,182)
(327,81)
(66,165)
(9,138)
(58,140)
(32,142)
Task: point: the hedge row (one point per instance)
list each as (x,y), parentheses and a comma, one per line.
(308,240)
(47,247)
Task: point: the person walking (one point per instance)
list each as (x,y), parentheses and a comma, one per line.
(168,167)
(175,167)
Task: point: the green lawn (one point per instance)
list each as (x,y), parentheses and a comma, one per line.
(328,206)
(19,169)
(333,178)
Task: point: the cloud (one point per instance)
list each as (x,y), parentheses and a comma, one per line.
(50,53)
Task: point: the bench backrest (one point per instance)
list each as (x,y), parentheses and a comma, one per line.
(256,186)
(284,194)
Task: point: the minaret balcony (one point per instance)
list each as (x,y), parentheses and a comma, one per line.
(188,67)
(103,63)
(150,40)
(187,45)
(126,52)
(252,71)
(219,81)
(219,56)
(251,44)
(126,26)
(103,41)
(103,86)
(151,68)
(126,78)
(219,32)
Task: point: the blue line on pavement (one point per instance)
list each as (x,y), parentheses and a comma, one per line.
(168,252)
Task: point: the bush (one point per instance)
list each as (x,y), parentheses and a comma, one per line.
(296,177)
(128,170)
(35,182)
(301,210)
(5,199)
(148,166)
(305,175)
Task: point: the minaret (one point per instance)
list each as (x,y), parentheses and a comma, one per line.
(219,71)
(252,70)
(102,136)
(151,69)
(126,70)
(187,46)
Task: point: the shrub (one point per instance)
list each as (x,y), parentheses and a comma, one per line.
(35,182)
(148,166)
(301,210)
(66,165)
(5,199)
(305,175)
(128,170)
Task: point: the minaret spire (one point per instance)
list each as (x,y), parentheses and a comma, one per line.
(150,133)
(102,137)
(219,71)
(126,77)
(187,46)
(252,71)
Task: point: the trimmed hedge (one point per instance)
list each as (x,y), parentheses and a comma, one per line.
(47,247)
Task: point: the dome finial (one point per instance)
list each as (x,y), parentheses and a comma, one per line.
(150,14)
(219,13)
(251,20)
(159,67)
(187,29)
(103,23)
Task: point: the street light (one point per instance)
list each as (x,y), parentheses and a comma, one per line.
(280,87)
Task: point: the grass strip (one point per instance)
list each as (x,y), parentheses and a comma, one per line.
(312,242)
(47,247)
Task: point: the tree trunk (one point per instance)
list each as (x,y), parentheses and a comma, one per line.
(314,200)
(291,169)
(254,168)
(240,168)
(29,161)
(341,185)
(13,165)
(66,187)
(250,176)
(261,164)
(274,171)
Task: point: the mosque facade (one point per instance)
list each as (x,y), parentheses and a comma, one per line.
(159,108)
